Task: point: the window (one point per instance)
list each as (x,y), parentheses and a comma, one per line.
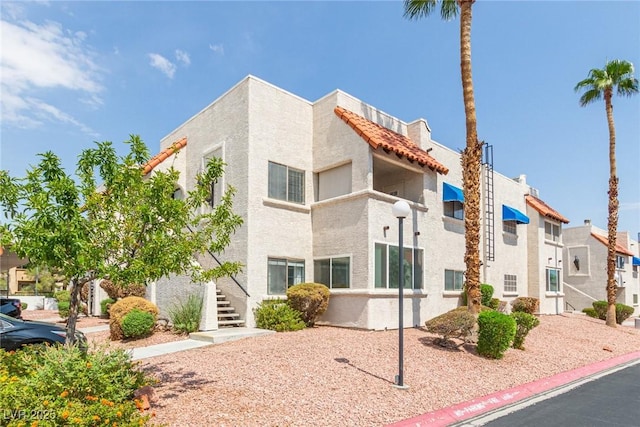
(286,183)
(553,280)
(454,210)
(551,232)
(387,268)
(333,272)
(510,227)
(453,280)
(619,262)
(282,274)
(635,299)
(510,283)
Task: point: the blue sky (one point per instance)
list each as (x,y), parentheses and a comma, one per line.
(77,72)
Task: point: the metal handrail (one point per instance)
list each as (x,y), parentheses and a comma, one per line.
(567,304)
(219,263)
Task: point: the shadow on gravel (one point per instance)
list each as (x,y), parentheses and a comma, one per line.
(449,345)
(347,362)
(173,382)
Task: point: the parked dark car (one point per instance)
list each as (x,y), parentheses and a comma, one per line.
(11,307)
(15,333)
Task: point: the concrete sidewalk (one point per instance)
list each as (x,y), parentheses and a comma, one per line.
(477,412)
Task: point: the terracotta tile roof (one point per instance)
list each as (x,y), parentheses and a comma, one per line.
(544,209)
(619,248)
(379,136)
(163,155)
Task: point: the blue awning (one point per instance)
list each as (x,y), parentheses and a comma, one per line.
(636,261)
(451,193)
(512,214)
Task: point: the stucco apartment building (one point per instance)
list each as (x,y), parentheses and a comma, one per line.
(316,182)
(585,274)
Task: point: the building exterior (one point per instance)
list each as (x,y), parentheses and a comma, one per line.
(585,275)
(316,182)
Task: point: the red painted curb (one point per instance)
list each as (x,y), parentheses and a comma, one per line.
(465,410)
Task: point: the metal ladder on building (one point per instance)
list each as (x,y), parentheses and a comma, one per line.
(489,214)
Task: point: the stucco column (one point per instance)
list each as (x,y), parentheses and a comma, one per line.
(209,320)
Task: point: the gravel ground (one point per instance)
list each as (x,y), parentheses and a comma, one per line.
(327,376)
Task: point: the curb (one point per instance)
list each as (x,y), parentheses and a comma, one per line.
(465,411)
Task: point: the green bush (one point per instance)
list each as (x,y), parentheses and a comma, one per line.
(137,323)
(185,316)
(62,296)
(24,305)
(105,305)
(525,304)
(310,299)
(457,323)
(486,294)
(496,332)
(622,311)
(589,311)
(601,309)
(524,323)
(278,316)
(494,304)
(63,309)
(70,387)
(121,308)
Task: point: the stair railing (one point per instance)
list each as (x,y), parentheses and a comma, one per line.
(219,263)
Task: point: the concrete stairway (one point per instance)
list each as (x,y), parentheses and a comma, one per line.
(227,316)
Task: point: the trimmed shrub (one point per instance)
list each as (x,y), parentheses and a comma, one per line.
(105,305)
(63,309)
(70,387)
(486,292)
(310,299)
(496,333)
(601,309)
(24,305)
(525,304)
(277,315)
(137,323)
(121,308)
(457,323)
(62,296)
(623,312)
(524,323)
(589,311)
(494,304)
(185,316)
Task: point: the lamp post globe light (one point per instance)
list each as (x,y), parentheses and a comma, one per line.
(400,210)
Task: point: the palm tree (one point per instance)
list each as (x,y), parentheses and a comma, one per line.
(616,75)
(472,154)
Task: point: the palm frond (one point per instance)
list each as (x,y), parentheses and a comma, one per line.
(590,96)
(416,9)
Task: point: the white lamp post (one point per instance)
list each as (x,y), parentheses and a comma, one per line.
(400,210)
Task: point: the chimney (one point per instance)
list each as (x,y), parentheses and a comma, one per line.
(420,133)
(587,222)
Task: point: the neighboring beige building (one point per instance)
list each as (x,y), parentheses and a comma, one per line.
(585,274)
(315,184)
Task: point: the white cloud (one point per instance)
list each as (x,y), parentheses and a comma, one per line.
(47,56)
(217,48)
(162,64)
(183,57)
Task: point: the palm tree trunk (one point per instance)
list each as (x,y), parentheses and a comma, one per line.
(613,214)
(471,163)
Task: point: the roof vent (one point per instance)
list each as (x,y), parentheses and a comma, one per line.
(587,222)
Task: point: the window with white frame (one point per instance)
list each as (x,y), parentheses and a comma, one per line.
(387,267)
(282,274)
(619,262)
(453,209)
(510,283)
(453,280)
(335,273)
(551,232)
(286,183)
(510,227)
(635,299)
(553,280)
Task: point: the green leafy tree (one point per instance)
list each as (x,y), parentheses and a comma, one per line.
(472,154)
(45,279)
(616,76)
(113,221)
